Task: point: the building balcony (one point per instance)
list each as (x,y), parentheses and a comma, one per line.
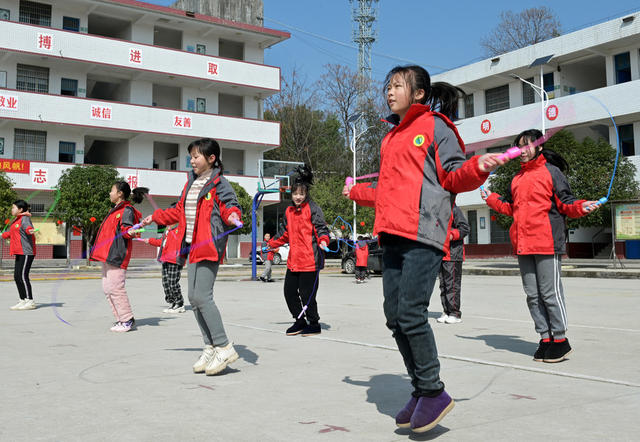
(144,61)
(107,116)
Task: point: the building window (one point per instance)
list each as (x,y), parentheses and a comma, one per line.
(67,152)
(35,13)
(498,234)
(71,24)
(1,146)
(32,78)
(3,78)
(36,208)
(201,105)
(201,49)
(69,87)
(5,14)
(231,49)
(173,165)
(547,81)
(623,67)
(29,145)
(497,99)
(627,142)
(468,106)
(472,219)
(528,93)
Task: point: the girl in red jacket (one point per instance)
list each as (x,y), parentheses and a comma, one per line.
(362,258)
(113,246)
(304,228)
(539,199)
(422,167)
(207,206)
(23,246)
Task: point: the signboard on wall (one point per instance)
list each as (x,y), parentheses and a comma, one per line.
(627,221)
(49,232)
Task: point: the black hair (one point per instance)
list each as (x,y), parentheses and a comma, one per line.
(303,179)
(553,157)
(441,96)
(208,147)
(22,205)
(138,192)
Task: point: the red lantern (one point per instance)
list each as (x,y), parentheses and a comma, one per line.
(59,222)
(92,219)
(7,221)
(493,217)
(342,227)
(362,223)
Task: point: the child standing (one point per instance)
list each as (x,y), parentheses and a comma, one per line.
(113,246)
(207,204)
(362,257)
(422,167)
(266,274)
(23,247)
(304,228)
(539,200)
(451,269)
(172,262)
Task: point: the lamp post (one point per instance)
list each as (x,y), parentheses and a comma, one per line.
(352,121)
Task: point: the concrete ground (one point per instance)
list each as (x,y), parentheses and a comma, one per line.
(80,382)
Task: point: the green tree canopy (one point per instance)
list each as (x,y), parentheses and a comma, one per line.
(7,197)
(245,205)
(590,167)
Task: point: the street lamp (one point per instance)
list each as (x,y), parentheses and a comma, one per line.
(352,121)
(544,96)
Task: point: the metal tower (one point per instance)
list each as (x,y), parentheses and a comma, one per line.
(364,15)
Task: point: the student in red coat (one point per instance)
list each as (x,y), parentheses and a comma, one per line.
(306,231)
(362,258)
(113,246)
(422,168)
(20,234)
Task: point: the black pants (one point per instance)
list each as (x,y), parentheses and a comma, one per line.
(299,289)
(450,282)
(361,272)
(21,275)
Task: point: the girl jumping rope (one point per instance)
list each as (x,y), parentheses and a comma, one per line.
(539,199)
(422,167)
(304,228)
(23,246)
(113,246)
(207,204)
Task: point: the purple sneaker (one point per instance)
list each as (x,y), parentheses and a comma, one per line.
(429,411)
(403,418)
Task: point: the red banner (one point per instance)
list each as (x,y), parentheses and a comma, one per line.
(14,166)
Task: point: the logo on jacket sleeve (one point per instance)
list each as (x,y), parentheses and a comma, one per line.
(17,226)
(207,196)
(418,140)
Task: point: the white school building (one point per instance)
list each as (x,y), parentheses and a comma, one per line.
(598,63)
(131,84)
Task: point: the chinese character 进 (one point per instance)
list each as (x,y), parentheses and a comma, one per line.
(44,41)
(135,56)
(212,69)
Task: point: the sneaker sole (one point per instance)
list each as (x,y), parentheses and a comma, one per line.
(311,334)
(405,425)
(436,421)
(293,333)
(232,358)
(560,359)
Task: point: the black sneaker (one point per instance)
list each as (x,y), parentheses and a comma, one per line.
(297,327)
(557,351)
(270,280)
(263,279)
(311,329)
(538,356)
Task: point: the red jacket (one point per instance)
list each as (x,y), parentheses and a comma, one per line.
(459,228)
(216,202)
(269,253)
(422,167)
(362,254)
(113,243)
(538,199)
(303,228)
(20,236)
(170,247)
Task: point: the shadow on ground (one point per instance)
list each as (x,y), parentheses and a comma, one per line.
(505,342)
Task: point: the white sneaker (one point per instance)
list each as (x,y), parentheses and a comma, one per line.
(453,320)
(28,304)
(168,309)
(223,357)
(18,305)
(443,318)
(207,355)
(177,309)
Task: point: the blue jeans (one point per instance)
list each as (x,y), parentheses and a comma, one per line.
(409,274)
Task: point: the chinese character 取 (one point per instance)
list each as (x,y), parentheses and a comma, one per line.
(212,69)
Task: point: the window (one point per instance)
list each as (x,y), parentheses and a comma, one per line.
(498,234)
(472,219)
(231,49)
(468,106)
(201,105)
(1,146)
(627,142)
(35,13)
(36,208)
(69,87)
(67,152)
(29,145)
(5,14)
(623,67)
(528,93)
(173,165)
(497,99)
(231,105)
(32,78)
(201,49)
(71,24)
(547,81)
(3,78)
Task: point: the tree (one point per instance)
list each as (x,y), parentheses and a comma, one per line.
(7,197)
(519,30)
(84,198)
(590,167)
(245,202)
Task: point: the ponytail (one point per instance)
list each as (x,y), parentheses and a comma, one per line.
(443,97)
(303,179)
(138,192)
(22,205)
(553,157)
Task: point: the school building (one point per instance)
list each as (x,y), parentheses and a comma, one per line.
(578,70)
(131,84)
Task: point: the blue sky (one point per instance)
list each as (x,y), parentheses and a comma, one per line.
(437,35)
